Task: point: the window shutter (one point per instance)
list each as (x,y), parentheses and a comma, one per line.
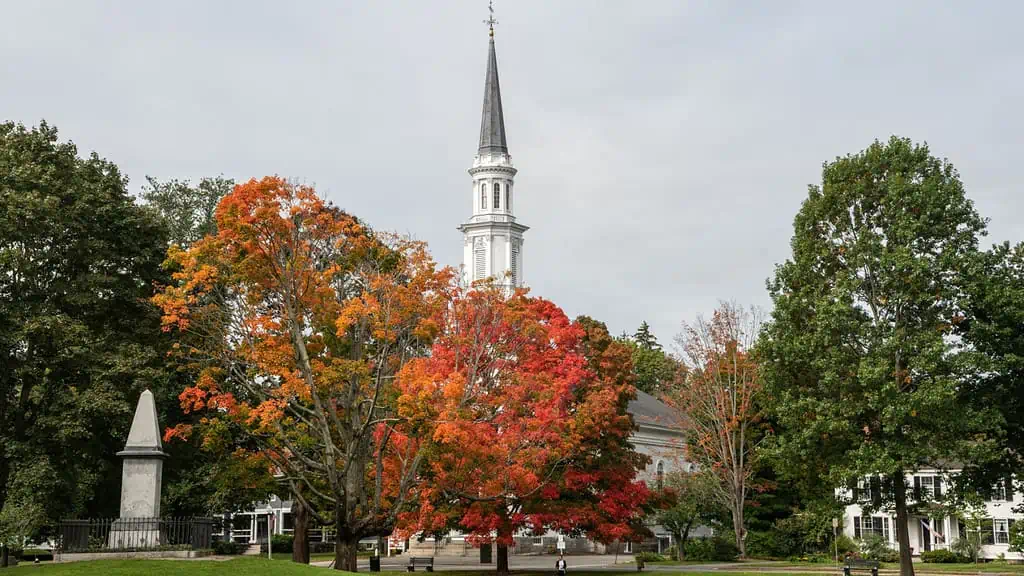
(917,488)
(479,263)
(876,491)
(514,265)
(1009,488)
(856,526)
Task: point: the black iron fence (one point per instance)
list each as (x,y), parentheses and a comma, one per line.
(135,534)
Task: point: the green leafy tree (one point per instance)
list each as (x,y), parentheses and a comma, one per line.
(644,338)
(994,329)
(187,209)
(78,339)
(696,505)
(653,368)
(858,361)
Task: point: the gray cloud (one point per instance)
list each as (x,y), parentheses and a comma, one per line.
(663,147)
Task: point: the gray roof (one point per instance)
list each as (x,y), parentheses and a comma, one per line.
(648,410)
(492,123)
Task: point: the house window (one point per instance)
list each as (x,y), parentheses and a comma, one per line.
(1001,529)
(497,196)
(867,525)
(538,541)
(287,522)
(483,196)
(1003,491)
(987,527)
(927,488)
(999,492)
(868,489)
(661,475)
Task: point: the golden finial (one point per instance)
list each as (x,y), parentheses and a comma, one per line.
(490,19)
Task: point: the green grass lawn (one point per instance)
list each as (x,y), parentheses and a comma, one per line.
(987,568)
(919,567)
(233,567)
(245,567)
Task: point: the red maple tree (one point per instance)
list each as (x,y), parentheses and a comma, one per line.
(531,424)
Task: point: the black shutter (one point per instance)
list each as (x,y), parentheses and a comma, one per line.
(917,489)
(876,491)
(1009,488)
(856,526)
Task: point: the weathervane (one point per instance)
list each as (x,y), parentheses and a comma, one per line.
(490,19)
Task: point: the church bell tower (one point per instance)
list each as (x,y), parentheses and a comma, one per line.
(492,239)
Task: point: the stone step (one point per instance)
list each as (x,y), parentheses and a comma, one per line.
(252,550)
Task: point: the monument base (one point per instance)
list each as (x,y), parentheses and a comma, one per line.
(135,534)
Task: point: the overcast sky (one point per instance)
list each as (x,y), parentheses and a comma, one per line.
(663,147)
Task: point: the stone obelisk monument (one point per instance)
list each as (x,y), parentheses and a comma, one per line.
(141,472)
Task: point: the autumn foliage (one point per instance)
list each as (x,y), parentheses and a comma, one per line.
(531,424)
(297,318)
(718,397)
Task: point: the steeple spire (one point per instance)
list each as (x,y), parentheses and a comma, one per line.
(492,123)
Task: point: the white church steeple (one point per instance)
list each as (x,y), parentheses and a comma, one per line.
(492,238)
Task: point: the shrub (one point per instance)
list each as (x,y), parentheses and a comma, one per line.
(874,547)
(717,549)
(282,543)
(942,557)
(846,545)
(762,544)
(968,548)
(321,547)
(228,548)
(1017,537)
(649,557)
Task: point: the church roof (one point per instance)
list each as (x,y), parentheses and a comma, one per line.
(648,410)
(492,122)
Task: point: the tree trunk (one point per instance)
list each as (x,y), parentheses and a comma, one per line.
(683,537)
(737,527)
(902,524)
(345,554)
(300,545)
(504,536)
(5,556)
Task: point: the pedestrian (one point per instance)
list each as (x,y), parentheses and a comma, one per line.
(560,565)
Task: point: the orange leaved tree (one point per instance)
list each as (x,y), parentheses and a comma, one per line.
(299,317)
(532,430)
(717,396)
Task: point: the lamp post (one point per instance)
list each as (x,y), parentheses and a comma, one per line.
(835,539)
